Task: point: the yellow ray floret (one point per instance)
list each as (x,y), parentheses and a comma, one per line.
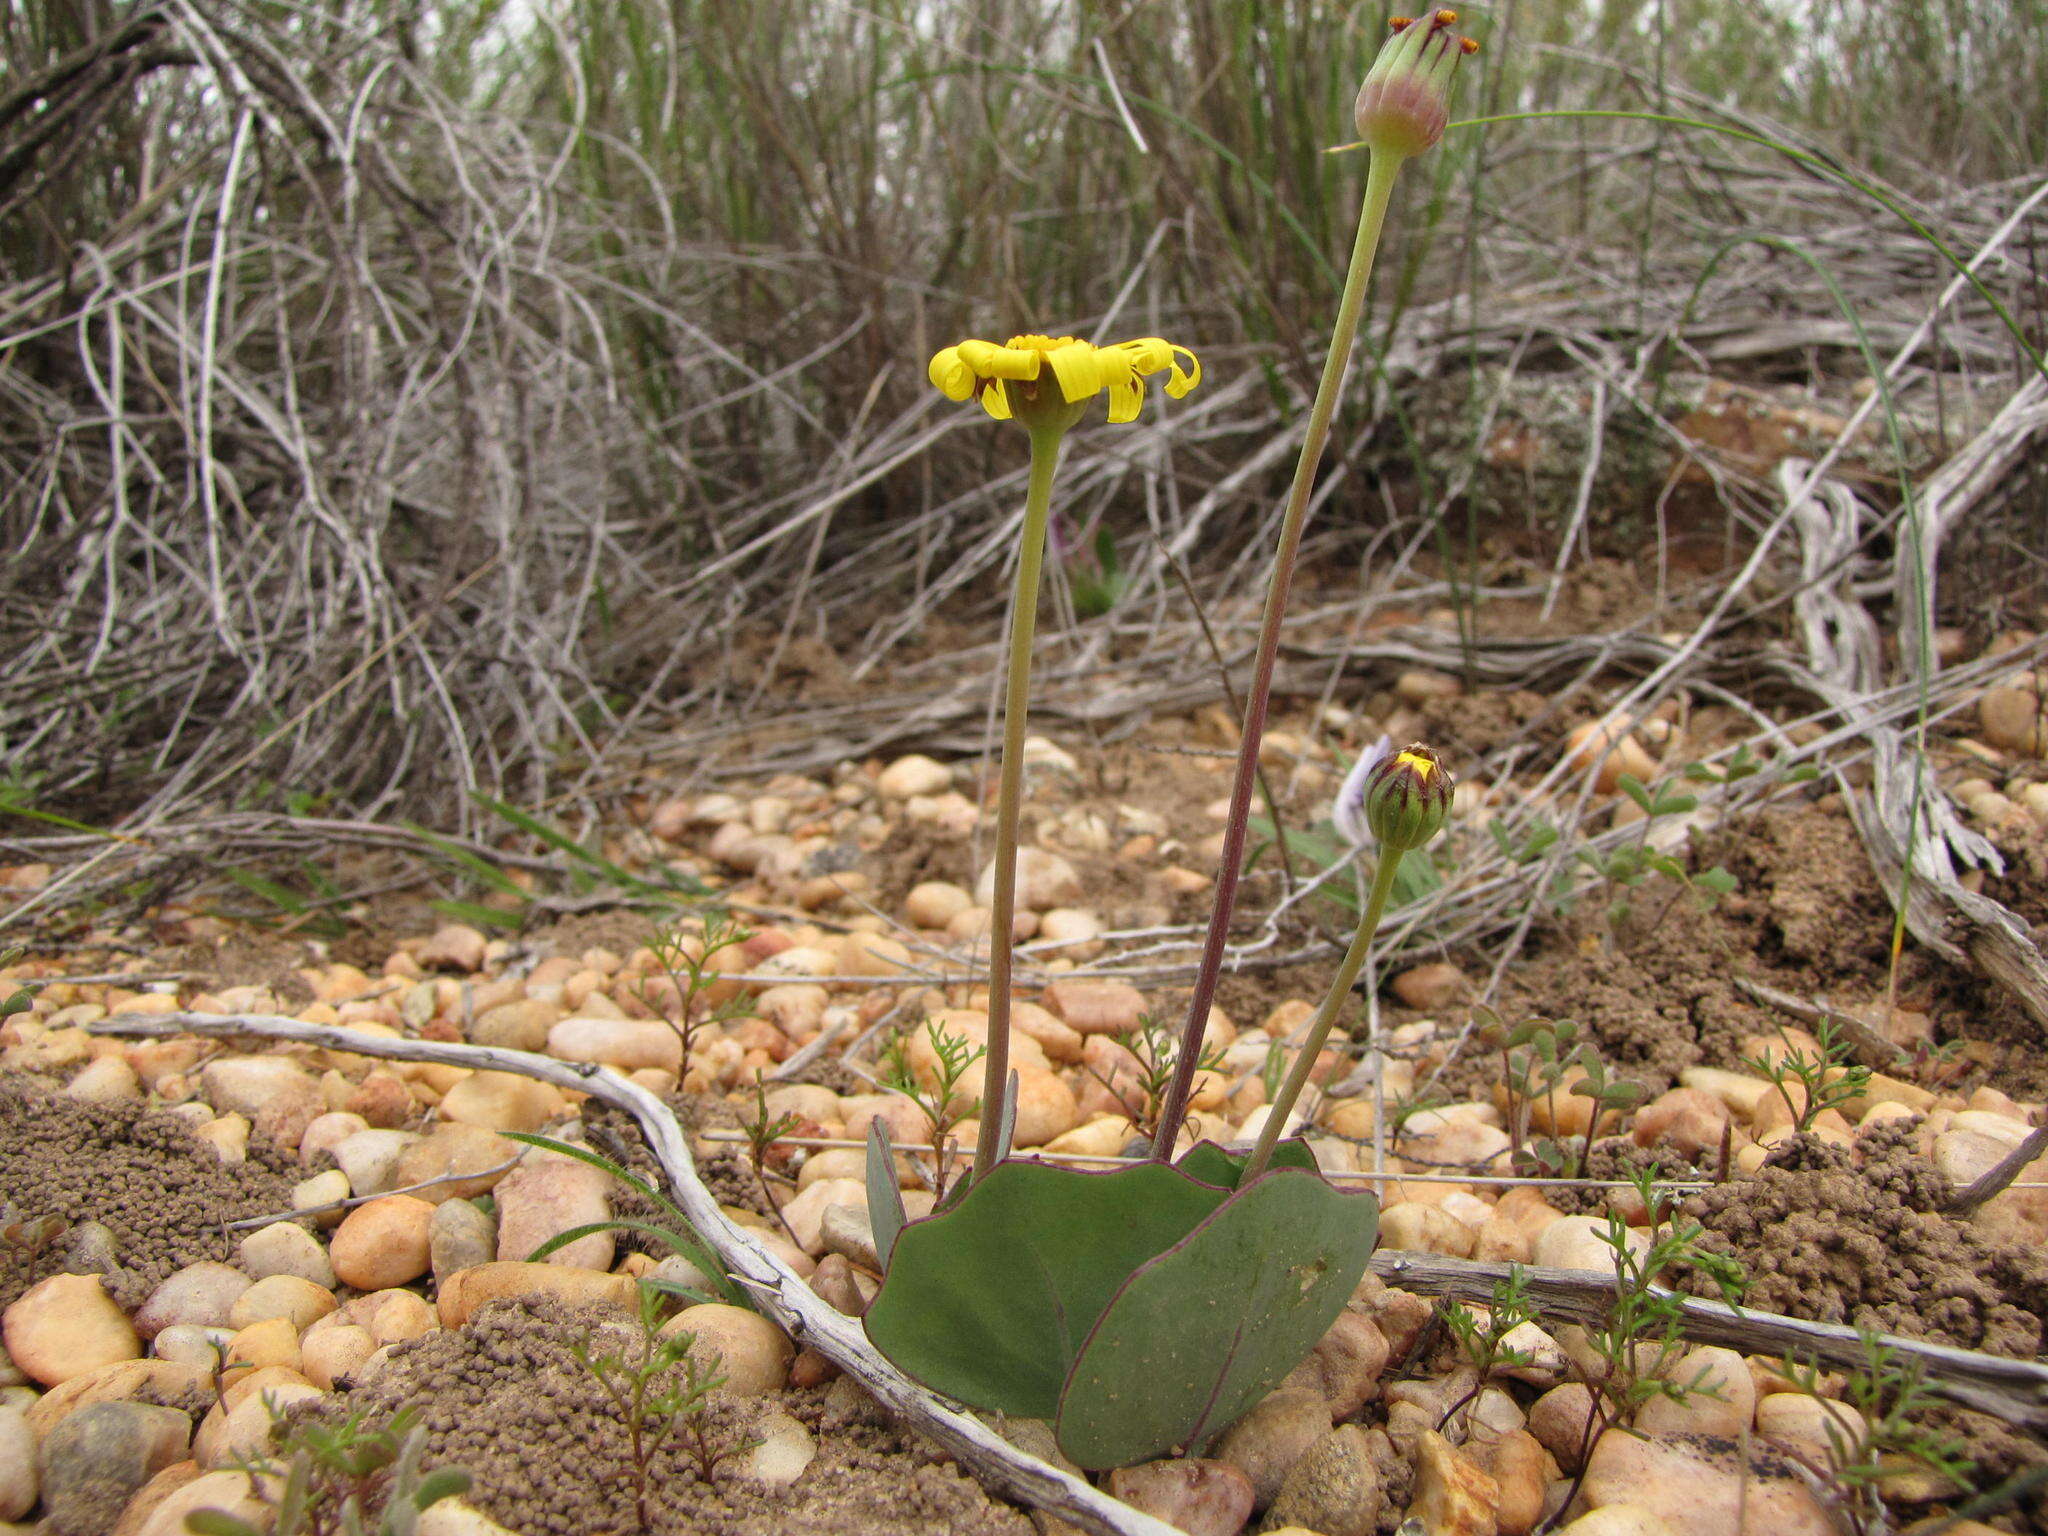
(1081,369)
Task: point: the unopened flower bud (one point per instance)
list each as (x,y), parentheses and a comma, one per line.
(1407,798)
(1405,103)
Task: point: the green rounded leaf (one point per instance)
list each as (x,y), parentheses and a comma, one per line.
(1203,1331)
(989,1301)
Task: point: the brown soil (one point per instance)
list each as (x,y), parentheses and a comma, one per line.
(162,1192)
(507,1399)
(1856,1237)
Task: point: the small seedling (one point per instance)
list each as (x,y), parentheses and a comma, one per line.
(340,1479)
(686,959)
(1156,1048)
(1482,1341)
(940,1104)
(1543,1058)
(762,1132)
(1637,1339)
(1626,867)
(23,997)
(1826,1080)
(661,1392)
(1884,1399)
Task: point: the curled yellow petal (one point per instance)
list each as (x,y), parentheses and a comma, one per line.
(990,361)
(1180,380)
(1125,400)
(1080,368)
(951,375)
(995,400)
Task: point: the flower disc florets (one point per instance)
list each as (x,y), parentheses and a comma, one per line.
(1405,103)
(1013,379)
(1408,798)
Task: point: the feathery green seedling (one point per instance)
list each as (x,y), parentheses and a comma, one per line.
(942,1104)
(1626,867)
(1483,1342)
(349,1478)
(1638,1338)
(1874,1429)
(661,1392)
(762,1131)
(685,959)
(1546,1057)
(1155,1046)
(1825,1081)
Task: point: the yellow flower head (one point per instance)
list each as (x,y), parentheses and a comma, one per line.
(1008,378)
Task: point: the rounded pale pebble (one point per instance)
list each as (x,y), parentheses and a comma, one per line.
(1096,1007)
(1619,1520)
(330,1356)
(1198,1497)
(1059,1041)
(501,1101)
(394,1316)
(783,1449)
(1432,987)
(1046,1108)
(1277,1432)
(191,1343)
(462,1292)
(229,1492)
(19,1478)
(1799,1422)
(453,947)
(370,1158)
(274,1341)
(262,1379)
(453,1517)
(247,1085)
(836,1163)
(1558,1420)
(66,1326)
(547,1195)
(915,774)
(204,1293)
(1069,926)
(520,1025)
(284,1248)
(1417,1228)
(1044,880)
(383,1243)
(452,1148)
(460,1237)
(1580,1242)
(281,1296)
(228,1135)
(328,1131)
(322,1195)
(1697,1484)
(627,1044)
(1730,1409)
(752,1353)
(244,1430)
(935,903)
(805,1211)
(106,1080)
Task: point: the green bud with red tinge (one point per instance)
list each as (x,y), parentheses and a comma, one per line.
(1408,798)
(1405,103)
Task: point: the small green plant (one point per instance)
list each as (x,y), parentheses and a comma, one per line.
(348,1478)
(942,1104)
(1541,1059)
(23,997)
(1628,866)
(1825,1079)
(1483,1342)
(762,1131)
(1637,1340)
(686,958)
(661,1392)
(1156,1047)
(1095,574)
(1873,1428)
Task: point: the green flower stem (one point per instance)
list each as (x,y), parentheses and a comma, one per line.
(1372,218)
(1045,458)
(1326,1016)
